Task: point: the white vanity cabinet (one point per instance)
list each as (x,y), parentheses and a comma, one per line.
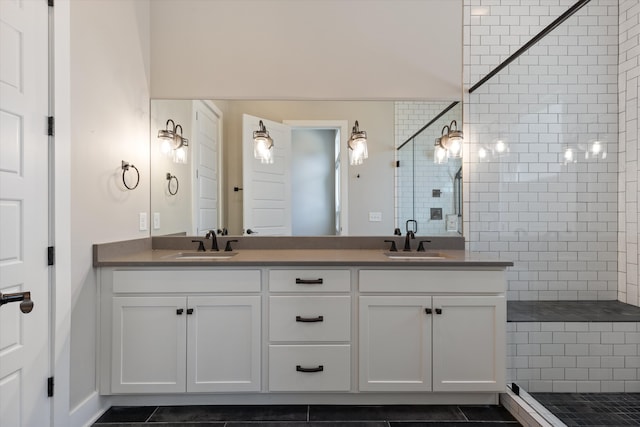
(172,331)
(432,337)
(309,330)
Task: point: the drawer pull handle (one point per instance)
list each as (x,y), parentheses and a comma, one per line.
(300,281)
(299,368)
(309,319)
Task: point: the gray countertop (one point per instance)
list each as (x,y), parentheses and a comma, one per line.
(141,253)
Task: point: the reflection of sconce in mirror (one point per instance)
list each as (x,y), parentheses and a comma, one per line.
(596,151)
(125,168)
(173,143)
(357,145)
(262,144)
(172,178)
(439,153)
(450,142)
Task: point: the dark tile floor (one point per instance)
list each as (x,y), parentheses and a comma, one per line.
(308,416)
(593,409)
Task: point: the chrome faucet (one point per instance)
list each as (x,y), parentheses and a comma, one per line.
(214,241)
(407,241)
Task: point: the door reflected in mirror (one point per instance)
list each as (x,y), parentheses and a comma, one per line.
(310,188)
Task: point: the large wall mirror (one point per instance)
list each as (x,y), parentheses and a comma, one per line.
(202,178)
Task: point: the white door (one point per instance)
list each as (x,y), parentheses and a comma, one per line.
(224,344)
(395,343)
(468,343)
(206,134)
(149,344)
(24,338)
(266,187)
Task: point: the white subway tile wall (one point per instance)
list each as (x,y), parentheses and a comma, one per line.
(525,199)
(628,82)
(574,357)
(418,175)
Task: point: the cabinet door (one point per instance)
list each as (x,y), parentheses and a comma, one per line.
(224,343)
(395,343)
(469,343)
(149,345)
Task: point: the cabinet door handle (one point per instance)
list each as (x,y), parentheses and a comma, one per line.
(189,310)
(299,368)
(300,281)
(428,310)
(309,319)
(180,311)
(438,311)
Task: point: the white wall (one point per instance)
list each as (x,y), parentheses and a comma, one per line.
(629,67)
(109,123)
(556,221)
(284,49)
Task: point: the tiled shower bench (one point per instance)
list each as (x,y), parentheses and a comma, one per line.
(573,346)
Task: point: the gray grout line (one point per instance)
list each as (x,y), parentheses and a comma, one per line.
(152,414)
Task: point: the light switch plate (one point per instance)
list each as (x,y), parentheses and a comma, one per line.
(156,220)
(452,222)
(375,216)
(142,217)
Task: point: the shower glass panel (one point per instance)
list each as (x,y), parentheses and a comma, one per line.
(543,161)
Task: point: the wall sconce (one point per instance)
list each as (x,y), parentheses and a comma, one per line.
(451,141)
(262,144)
(173,143)
(357,145)
(439,152)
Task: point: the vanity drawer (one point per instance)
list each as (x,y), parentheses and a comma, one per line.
(418,281)
(310,318)
(313,280)
(185,280)
(309,368)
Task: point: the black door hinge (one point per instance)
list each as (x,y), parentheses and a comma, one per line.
(51,126)
(51,255)
(50,2)
(50,387)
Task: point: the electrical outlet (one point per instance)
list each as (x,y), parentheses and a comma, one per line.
(156,220)
(375,216)
(142,217)
(452,222)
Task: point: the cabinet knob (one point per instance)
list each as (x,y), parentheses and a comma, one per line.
(189,310)
(438,311)
(428,310)
(180,311)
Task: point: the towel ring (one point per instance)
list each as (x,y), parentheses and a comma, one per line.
(170,178)
(125,168)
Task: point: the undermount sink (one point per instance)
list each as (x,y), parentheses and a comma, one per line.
(202,255)
(415,255)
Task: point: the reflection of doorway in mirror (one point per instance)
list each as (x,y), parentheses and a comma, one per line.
(207,129)
(314,166)
(319,200)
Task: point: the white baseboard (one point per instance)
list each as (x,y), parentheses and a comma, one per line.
(89,410)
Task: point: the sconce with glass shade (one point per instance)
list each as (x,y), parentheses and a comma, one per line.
(439,152)
(262,144)
(449,144)
(357,145)
(173,143)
